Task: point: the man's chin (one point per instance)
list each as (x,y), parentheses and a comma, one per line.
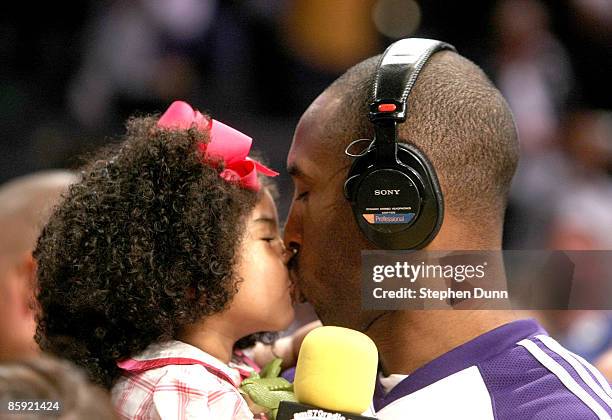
(328,309)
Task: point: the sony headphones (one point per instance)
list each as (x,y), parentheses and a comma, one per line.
(392,187)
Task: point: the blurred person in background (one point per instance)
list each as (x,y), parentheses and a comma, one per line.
(49,381)
(581,220)
(533,72)
(25,203)
(139,52)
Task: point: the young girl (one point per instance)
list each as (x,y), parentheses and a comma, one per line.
(161,263)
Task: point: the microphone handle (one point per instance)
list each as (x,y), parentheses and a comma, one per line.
(296,411)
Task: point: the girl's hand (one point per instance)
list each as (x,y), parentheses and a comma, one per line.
(286,348)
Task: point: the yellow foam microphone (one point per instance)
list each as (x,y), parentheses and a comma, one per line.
(335,372)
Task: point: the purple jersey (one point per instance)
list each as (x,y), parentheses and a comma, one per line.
(514,372)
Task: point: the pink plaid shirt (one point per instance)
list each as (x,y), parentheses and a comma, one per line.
(175,380)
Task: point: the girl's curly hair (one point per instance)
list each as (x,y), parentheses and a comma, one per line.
(143,245)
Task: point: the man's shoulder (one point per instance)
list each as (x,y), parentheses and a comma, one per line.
(540,379)
(515,371)
(534,379)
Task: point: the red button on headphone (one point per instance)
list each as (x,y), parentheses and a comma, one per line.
(387,107)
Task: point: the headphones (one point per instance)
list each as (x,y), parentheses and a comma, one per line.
(392,187)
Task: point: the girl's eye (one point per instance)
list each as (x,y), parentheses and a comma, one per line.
(270,239)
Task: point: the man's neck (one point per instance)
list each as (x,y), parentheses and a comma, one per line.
(407,340)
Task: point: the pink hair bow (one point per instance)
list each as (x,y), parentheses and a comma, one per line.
(226,143)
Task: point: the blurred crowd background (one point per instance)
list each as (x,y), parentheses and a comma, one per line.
(71,79)
(69,83)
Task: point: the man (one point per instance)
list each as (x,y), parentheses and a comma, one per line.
(24,205)
(460,364)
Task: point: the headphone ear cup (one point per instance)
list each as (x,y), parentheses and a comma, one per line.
(410,156)
(397,207)
(349,186)
(432,211)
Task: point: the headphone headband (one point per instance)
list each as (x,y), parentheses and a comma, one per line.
(397,71)
(396,75)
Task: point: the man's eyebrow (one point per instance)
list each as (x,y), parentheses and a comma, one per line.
(295,171)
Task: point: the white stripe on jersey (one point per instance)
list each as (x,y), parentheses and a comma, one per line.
(460,396)
(569,358)
(565,378)
(600,378)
